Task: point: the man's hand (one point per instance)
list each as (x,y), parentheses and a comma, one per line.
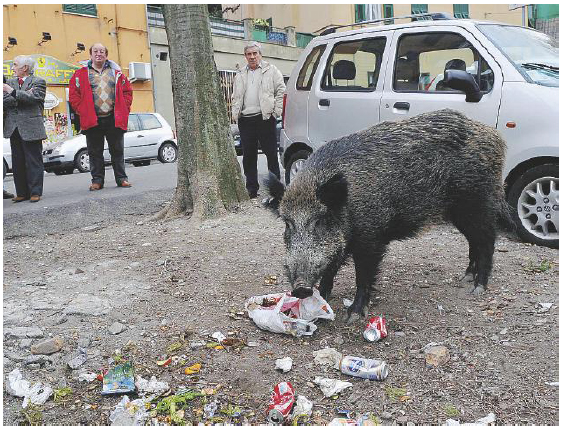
(7,88)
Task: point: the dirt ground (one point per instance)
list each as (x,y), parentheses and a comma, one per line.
(173,285)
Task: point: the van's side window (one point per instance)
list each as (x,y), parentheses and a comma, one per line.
(422,59)
(354,66)
(304,81)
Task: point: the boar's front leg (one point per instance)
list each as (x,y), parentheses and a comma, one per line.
(366,269)
(327,281)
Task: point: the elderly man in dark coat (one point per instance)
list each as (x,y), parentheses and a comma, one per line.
(24,98)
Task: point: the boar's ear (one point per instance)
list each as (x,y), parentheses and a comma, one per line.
(333,193)
(276,190)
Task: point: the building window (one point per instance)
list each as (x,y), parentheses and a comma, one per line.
(154,15)
(360,13)
(81,9)
(388,12)
(460,10)
(418,9)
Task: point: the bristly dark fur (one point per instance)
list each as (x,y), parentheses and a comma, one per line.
(358,193)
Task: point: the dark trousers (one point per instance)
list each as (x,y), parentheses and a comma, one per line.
(255,129)
(27,165)
(95,143)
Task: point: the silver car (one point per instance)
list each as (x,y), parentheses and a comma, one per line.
(148,137)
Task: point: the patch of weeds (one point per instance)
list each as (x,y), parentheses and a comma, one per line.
(542,267)
(174,347)
(394,393)
(450,410)
(61,393)
(231,411)
(32,415)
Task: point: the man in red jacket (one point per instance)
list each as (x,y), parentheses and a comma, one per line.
(101,95)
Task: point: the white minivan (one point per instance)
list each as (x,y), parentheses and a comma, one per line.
(501,75)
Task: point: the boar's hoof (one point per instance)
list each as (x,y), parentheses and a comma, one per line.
(352,317)
(478,290)
(468,278)
(301,292)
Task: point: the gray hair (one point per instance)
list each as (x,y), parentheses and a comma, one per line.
(252,44)
(26,60)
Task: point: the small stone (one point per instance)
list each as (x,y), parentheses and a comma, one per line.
(116,328)
(386,415)
(437,355)
(25,343)
(92,228)
(78,271)
(399,333)
(504,331)
(135,264)
(24,332)
(338,340)
(47,347)
(84,342)
(61,320)
(495,338)
(34,366)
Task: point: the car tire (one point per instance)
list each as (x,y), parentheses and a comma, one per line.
(60,172)
(82,161)
(295,163)
(168,153)
(141,163)
(537,218)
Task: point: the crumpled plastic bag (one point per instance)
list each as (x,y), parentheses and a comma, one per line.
(19,387)
(330,387)
(328,357)
(485,421)
(283,313)
(150,387)
(128,413)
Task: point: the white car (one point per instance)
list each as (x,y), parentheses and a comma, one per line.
(501,75)
(148,137)
(7,153)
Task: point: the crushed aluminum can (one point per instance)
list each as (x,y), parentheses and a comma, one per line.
(281,403)
(374,370)
(375,329)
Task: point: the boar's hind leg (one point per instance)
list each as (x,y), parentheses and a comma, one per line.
(480,232)
(327,281)
(366,269)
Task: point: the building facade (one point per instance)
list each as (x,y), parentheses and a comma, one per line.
(59,36)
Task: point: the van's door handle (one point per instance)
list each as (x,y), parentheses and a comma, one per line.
(324,102)
(402,105)
(140,135)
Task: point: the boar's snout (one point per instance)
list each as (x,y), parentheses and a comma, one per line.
(301,291)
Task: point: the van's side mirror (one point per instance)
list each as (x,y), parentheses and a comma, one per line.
(463,81)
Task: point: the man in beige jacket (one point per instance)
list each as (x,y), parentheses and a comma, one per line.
(257,100)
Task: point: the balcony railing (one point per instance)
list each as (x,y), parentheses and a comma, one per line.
(303,39)
(226,27)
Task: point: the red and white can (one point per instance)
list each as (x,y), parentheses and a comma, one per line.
(281,403)
(375,329)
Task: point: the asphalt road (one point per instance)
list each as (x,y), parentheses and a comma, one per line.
(68,204)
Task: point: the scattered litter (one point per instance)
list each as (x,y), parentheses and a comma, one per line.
(270,280)
(375,329)
(347,302)
(440,309)
(345,412)
(281,403)
(19,387)
(79,359)
(88,377)
(328,357)
(554,384)
(60,393)
(252,344)
(233,342)
(283,313)
(218,336)
(284,364)
(342,422)
(303,408)
(366,368)
(487,420)
(331,386)
(164,362)
(150,387)
(128,413)
(436,355)
(120,379)
(544,307)
(173,405)
(210,409)
(192,369)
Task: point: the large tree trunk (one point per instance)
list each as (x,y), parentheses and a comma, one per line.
(209,177)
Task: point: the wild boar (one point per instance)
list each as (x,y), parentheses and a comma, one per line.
(358,193)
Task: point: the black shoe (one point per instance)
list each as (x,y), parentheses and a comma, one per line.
(8,195)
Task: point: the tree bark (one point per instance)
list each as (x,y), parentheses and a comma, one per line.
(209,176)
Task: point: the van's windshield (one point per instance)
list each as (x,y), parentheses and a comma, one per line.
(534,54)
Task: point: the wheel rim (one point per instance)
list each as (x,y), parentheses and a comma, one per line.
(296,167)
(168,153)
(537,208)
(84,161)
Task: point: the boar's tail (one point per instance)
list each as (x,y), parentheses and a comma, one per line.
(276,190)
